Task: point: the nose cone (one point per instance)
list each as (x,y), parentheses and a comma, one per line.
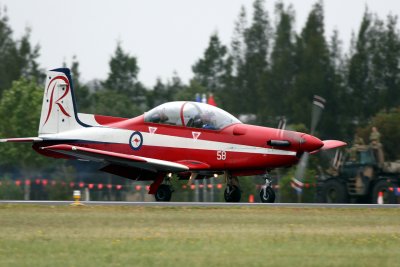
(311,143)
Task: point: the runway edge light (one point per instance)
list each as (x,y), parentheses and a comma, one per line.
(77,198)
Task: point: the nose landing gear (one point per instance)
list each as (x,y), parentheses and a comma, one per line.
(267,194)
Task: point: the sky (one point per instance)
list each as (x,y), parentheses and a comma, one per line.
(166,36)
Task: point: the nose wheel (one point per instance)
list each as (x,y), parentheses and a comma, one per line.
(267,194)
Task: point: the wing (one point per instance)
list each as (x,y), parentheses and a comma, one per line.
(21,140)
(121,159)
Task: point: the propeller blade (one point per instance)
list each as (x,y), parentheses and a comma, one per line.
(317,108)
(301,167)
(337,159)
(282,126)
(282,123)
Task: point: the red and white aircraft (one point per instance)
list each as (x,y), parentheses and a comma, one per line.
(189,139)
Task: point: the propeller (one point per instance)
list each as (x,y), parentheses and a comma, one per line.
(282,123)
(281,126)
(337,159)
(317,108)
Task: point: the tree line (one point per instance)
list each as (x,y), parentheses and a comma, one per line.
(272,71)
(268,70)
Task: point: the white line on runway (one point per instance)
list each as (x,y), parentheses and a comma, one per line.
(200,204)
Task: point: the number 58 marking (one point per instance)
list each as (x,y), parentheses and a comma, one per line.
(221,155)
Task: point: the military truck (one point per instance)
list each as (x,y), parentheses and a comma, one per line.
(360,178)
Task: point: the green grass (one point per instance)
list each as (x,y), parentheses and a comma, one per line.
(188,236)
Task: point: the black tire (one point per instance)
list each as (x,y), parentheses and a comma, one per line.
(333,191)
(383,186)
(163,193)
(232,193)
(268,196)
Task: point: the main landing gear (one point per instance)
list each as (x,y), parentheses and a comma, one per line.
(267,194)
(232,191)
(162,191)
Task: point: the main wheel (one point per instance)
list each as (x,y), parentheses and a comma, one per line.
(267,195)
(388,195)
(163,193)
(232,193)
(333,191)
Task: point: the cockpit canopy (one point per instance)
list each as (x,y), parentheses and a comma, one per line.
(190,114)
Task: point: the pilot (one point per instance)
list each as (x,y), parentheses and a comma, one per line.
(197,121)
(208,122)
(159,117)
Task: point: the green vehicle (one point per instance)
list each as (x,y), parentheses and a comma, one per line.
(360,178)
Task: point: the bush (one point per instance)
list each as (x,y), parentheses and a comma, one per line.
(10,191)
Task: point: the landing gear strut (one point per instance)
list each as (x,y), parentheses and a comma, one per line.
(232,191)
(267,194)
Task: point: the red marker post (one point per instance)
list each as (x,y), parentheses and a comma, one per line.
(251,198)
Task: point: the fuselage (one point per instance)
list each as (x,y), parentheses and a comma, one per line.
(239,148)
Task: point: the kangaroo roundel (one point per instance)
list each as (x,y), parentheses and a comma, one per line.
(136,140)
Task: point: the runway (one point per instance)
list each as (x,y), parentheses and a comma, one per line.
(201,204)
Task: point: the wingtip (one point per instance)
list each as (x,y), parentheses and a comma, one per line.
(21,140)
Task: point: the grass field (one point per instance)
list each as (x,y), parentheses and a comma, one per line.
(188,236)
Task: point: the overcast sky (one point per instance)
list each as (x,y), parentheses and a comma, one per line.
(165,35)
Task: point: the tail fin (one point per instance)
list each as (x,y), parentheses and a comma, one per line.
(59,112)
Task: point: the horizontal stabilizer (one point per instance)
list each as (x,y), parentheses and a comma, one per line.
(117,158)
(21,140)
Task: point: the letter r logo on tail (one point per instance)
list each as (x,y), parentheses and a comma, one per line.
(60,82)
(58,108)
